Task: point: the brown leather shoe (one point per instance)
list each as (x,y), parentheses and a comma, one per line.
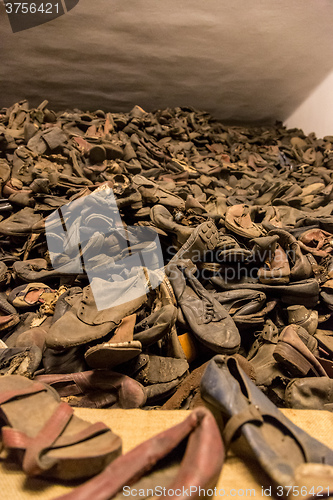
(292,353)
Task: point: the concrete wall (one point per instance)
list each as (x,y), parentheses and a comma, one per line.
(248,61)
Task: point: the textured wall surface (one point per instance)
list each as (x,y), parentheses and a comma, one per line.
(246,61)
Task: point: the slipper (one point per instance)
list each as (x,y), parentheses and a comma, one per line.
(277,444)
(198,470)
(46,436)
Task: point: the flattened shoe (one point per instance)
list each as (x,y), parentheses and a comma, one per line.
(305,292)
(20,223)
(161,369)
(187,395)
(8,314)
(292,353)
(310,479)
(25,296)
(153,193)
(278,444)
(35,270)
(163,219)
(300,315)
(4,274)
(20,360)
(156,325)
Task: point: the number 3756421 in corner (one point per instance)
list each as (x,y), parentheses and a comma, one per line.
(296,491)
(33,7)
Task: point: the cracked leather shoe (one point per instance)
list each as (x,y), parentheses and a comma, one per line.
(207,318)
(277,444)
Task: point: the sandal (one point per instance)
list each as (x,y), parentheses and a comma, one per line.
(46,436)
(199,469)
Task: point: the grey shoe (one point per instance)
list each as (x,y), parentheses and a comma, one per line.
(310,393)
(300,315)
(207,318)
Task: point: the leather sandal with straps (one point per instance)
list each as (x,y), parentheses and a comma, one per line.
(47,437)
(154,464)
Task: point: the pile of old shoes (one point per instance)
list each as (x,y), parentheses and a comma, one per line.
(136,246)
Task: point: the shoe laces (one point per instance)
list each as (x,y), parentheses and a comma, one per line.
(208,311)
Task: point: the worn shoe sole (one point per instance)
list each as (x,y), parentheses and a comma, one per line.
(204,237)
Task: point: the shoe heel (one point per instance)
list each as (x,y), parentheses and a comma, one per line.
(289,357)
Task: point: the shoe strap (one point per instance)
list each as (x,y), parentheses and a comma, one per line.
(35,447)
(34,388)
(45,438)
(13,438)
(49,437)
(251,414)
